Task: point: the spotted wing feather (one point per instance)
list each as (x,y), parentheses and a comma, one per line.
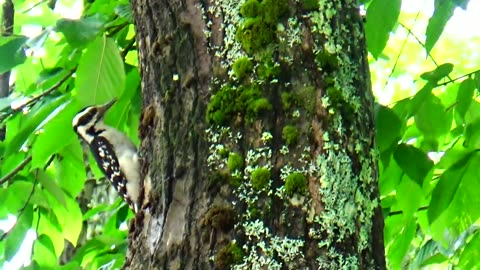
(107,161)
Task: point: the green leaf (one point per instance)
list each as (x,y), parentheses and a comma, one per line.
(470,254)
(388,126)
(79,33)
(437,74)
(35,119)
(417,101)
(70,166)
(43,252)
(11,52)
(382,15)
(432,119)
(409,197)
(413,161)
(48,224)
(70,219)
(448,185)
(54,135)
(49,184)
(401,243)
(101,74)
(465,96)
(443,11)
(472,135)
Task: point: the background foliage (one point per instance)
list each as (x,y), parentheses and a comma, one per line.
(428,131)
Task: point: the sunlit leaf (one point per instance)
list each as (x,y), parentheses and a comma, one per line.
(401,243)
(16,236)
(382,15)
(70,169)
(124,11)
(432,118)
(442,13)
(70,219)
(101,74)
(49,184)
(43,252)
(55,135)
(48,224)
(470,254)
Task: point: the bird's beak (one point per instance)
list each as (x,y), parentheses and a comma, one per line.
(104,108)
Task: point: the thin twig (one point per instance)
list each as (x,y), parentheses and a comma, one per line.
(125,51)
(394,213)
(16,170)
(46,92)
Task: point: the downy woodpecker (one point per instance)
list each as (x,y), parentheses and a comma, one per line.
(115,153)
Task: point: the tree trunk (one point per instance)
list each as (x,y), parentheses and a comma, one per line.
(257,137)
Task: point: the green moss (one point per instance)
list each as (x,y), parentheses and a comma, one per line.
(268,70)
(310,5)
(250,9)
(260,178)
(274,10)
(295,183)
(287,100)
(259,29)
(255,34)
(290,134)
(335,95)
(229,103)
(235,180)
(235,162)
(242,67)
(229,255)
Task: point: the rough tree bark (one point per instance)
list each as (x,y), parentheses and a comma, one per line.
(257,137)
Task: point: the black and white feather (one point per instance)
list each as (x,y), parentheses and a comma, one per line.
(114,152)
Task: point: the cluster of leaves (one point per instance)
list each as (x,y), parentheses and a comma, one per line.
(67,65)
(428,147)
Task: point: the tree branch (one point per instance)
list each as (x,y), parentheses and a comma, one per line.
(16,170)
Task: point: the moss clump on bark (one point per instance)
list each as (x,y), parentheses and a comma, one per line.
(229,255)
(260,178)
(242,67)
(290,135)
(295,183)
(235,162)
(230,102)
(260,26)
(221,218)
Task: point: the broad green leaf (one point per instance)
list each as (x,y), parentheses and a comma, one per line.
(476,78)
(388,127)
(79,33)
(438,73)
(55,135)
(390,178)
(38,41)
(409,197)
(465,96)
(48,224)
(432,119)
(101,74)
(43,252)
(473,112)
(19,194)
(470,254)
(443,11)
(457,183)
(419,98)
(426,252)
(11,52)
(401,244)
(34,120)
(382,15)
(413,161)
(49,184)
(70,219)
(472,135)
(70,171)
